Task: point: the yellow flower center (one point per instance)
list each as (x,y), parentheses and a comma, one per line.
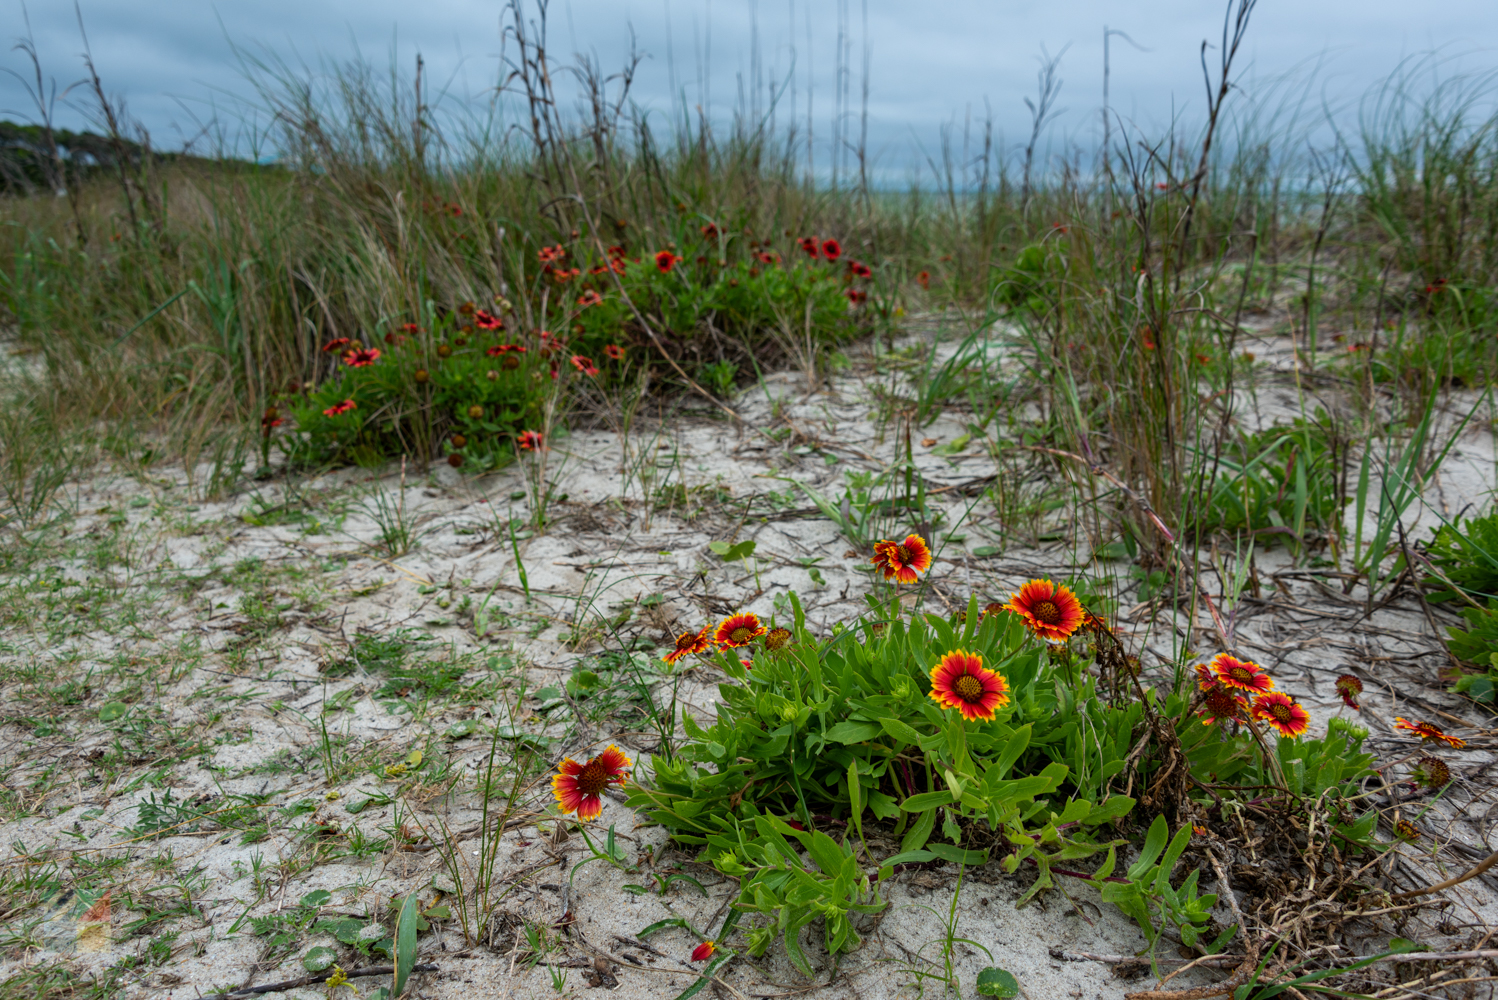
(1048,613)
(968,688)
(593,778)
(741,634)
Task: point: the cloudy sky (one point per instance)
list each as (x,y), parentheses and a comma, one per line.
(179,64)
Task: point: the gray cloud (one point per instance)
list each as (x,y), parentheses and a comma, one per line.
(931,64)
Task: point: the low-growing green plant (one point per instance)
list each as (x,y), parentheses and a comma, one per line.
(1465,554)
(453,382)
(1280,483)
(815,738)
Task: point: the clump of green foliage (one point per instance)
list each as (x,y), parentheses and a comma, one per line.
(819,740)
(1276,484)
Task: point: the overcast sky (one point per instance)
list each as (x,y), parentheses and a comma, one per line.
(930,63)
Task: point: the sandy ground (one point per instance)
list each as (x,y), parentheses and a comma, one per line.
(218,622)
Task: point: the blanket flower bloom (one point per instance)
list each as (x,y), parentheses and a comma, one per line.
(690,644)
(1282,712)
(362,358)
(336,344)
(614,351)
(589,298)
(1349,687)
(1223,704)
(1245,675)
(579,787)
(959,680)
(777,638)
(704,951)
(1050,610)
(809,244)
(1428,733)
(739,630)
(665,260)
(529,440)
(832,249)
(584,365)
(903,562)
(339,409)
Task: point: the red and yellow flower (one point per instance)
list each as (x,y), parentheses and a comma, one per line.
(665,260)
(362,358)
(529,440)
(339,409)
(1223,704)
(1429,733)
(1243,675)
(1349,687)
(690,644)
(579,787)
(584,365)
(739,630)
(704,951)
(959,680)
(1050,610)
(614,351)
(1282,712)
(337,344)
(903,562)
(832,249)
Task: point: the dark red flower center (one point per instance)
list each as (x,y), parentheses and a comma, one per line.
(968,688)
(593,778)
(1047,613)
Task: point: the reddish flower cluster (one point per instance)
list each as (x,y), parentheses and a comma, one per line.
(665,260)
(734,632)
(584,365)
(362,358)
(710,231)
(336,345)
(339,409)
(1227,684)
(589,298)
(499,349)
(551,255)
(614,351)
(529,440)
(924,280)
(487,321)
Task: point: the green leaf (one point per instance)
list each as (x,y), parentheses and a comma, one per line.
(900,731)
(908,858)
(956,855)
(318,958)
(994,982)
(986,551)
(1403,946)
(853,732)
(919,832)
(319,897)
(926,800)
(405,944)
(661,925)
(112,711)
